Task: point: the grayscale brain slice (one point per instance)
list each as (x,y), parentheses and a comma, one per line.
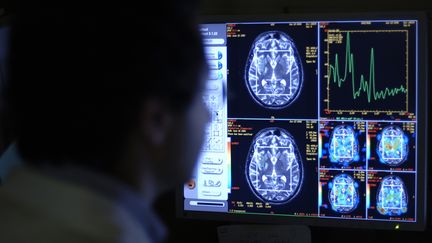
(274,169)
(274,73)
(392,146)
(392,197)
(343,195)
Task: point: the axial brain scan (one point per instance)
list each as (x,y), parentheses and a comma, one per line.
(343,195)
(274,168)
(392,146)
(274,74)
(392,197)
(343,145)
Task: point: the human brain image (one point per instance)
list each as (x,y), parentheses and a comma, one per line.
(392,146)
(274,73)
(344,147)
(343,195)
(274,168)
(392,197)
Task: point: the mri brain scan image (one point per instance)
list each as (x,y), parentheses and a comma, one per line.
(274,169)
(392,148)
(344,147)
(343,196)
(392,197)
(274,73)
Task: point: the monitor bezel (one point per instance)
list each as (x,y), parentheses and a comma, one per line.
(422,127)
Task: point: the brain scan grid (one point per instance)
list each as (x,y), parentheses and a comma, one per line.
(311,119)
(274,169)
(274,72)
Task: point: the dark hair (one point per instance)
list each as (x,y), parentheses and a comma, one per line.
(79,74)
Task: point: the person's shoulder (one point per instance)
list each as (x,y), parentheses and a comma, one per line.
(42,208)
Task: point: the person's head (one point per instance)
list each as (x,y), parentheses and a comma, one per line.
(107,87)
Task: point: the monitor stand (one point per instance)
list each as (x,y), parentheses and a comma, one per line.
(264,233)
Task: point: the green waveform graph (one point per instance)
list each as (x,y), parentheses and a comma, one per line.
(366,74)
(365,86)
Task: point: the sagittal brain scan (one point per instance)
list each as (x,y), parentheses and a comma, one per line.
(343,196)
(392,197)
(392,148)
(274,168)
(274,74)
(344,147)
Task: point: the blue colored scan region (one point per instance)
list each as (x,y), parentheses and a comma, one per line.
(344,147)
(274,73)
(392,197)
(392,146)
(343,195)
(274,169)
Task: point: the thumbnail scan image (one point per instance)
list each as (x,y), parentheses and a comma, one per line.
(343,195)
(274,73)
(392,197)
(344,146)
(274,168)
(392,146)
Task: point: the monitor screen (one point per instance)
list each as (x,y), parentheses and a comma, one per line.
(317,120)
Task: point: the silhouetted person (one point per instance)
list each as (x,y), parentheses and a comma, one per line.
(107,111)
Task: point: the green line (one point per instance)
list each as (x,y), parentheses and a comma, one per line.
(365,86)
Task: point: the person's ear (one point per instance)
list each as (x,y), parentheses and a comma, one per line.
(156,121)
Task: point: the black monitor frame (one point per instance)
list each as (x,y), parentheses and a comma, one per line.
(422,132)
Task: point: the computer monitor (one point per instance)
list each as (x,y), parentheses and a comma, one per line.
(317,120)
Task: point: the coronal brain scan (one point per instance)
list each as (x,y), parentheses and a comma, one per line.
(274,168)
(344,147)
(392,197)
(274,72)
(392,148)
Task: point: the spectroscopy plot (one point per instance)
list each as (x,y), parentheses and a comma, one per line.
(368,70)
